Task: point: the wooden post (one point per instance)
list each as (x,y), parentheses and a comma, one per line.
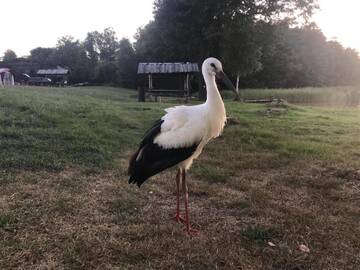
(141,94)
(187,85)
(202,89)
(188,95)
(150,82)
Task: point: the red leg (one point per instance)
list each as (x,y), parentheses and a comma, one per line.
(188,229)
(178,218)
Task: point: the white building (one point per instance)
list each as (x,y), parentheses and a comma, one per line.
(6,78)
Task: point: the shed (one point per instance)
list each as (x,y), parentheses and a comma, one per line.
(58,75)
(6,78)
(166,74)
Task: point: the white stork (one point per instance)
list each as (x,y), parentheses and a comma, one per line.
(180,135)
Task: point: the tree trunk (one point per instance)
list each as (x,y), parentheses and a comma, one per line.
(237,82)
(237,97)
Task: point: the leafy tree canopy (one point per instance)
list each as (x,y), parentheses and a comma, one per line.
(9,55)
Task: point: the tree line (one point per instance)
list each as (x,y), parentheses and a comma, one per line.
(100,58)
(267,43)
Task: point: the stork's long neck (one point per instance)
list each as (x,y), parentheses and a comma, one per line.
(215,107)
(213,99)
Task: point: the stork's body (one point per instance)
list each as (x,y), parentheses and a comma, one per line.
(180,136)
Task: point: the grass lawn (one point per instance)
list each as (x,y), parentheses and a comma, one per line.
(346,96)
(288,175)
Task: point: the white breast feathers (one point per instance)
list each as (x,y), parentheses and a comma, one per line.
(184,126)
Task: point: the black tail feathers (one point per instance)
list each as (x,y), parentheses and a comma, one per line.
(132,171)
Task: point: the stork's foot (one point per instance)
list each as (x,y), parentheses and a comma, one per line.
(179,219)
(192,232)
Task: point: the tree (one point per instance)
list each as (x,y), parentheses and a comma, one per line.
(101,46)
(9,55)
(126,63)
(92,46)
(301,56)
(185,30)
(71,53)
(263,43)
(101,50)
(43,56)
(242,55)
(106,73)
(108,45)
(196,29)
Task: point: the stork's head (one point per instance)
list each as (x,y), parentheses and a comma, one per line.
(213,67)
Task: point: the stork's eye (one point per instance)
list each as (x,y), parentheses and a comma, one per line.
(213,65)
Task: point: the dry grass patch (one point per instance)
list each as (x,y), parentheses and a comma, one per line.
(69,220)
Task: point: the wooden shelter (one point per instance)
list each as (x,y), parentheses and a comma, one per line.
(59,75)
(167,75)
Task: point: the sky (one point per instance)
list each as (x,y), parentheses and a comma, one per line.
(340,20)
(39,23)
(27,24)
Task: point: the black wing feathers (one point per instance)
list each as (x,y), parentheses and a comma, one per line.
(148,137)
(151,158)
(151,133)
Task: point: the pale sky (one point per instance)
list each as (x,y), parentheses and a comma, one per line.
(27,24)
(340,19)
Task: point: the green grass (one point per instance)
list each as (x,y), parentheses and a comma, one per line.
(287,174)
(7,221)
(330,96)
(271,141)
(50,128)
(258,235)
